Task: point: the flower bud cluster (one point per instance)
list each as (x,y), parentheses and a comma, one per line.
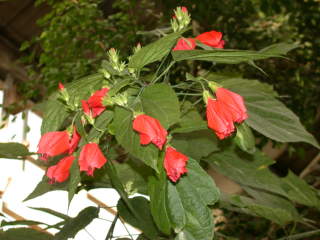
(114,60)
(181,19)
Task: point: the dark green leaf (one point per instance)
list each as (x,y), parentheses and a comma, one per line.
(154,51)
(74,180)
(23,234)
(245,139)
(145,221)
(279,48)
(52,212)
(253,171)
(269,116)
(100,125)
(158,202)
(13,150)
(130,140)
(196,144)
(118,86)
(227,56)
(20,222)
(161,102)
(44,187)
(54,116)
(74,225)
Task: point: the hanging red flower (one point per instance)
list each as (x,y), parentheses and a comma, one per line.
(74,141)
(185,44)
(91,158)
(174,163)
(94,107)
(61,171)
(52,144)
(220,118)
(150,130)
(212,39)
(234,102)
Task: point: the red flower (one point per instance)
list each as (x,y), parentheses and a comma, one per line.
(61,87)
(94,107)
(73,144)
(220,118)
(234,102)
(91,158)
(150,130)
(174,163)
(185,44)
(212,39)
(52,144)
(60,172)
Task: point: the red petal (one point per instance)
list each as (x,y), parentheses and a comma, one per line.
(174,163)
(91,158)
(74,140)
(85,107)
(53,143)
(150,129)
(235,102)
(60,172)
(219,119)
(212,39)
(185,44)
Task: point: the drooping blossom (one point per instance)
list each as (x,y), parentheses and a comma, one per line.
(93,107)
(61,171)
(150,130)
(185,44)
(174,163)
(74,140)
(234,102)
(220,118)
(91,158)
(52,144)
(61,86)
(212,39)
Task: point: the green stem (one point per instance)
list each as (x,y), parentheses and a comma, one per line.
(163,73)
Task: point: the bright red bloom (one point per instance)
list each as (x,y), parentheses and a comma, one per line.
(91,158)
(52,144)
(174,163)
(60,172)
(61,87)
(94,107)
(150,130)
(234,102)
(74,140)
(220,118)
(212,39)
(185,44)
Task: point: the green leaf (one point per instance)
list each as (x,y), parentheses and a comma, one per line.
(23,234)
(13,150)
(245,139)
(52,212)
(82,88)
(227,56)
(196,144)
(161,102)
(130,140)
(100,125)
(253,171)
(154,51)
(74,180)
(118,86)
(279,48)
(54,116)
(145,221)
(158,202)
(44,187)
(74,225)
(20,222)
(272,207)
(267,115)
